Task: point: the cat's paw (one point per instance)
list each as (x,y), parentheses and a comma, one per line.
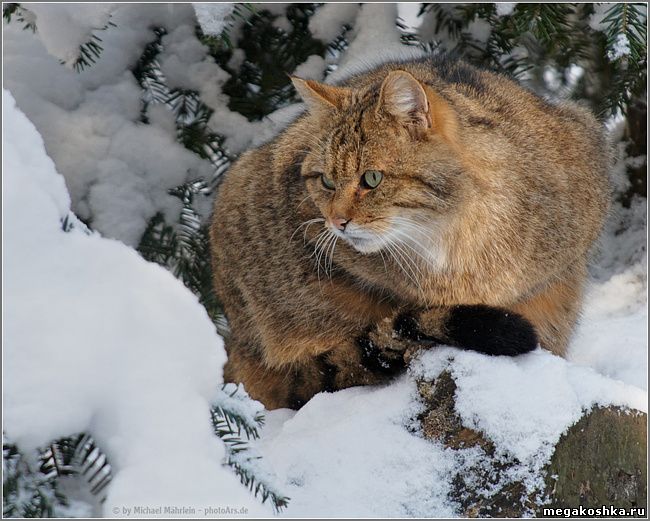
(382,351)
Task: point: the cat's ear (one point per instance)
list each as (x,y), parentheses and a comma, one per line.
(403,97)
(319,96)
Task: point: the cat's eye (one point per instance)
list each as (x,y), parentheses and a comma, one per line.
(327,182)
(371,179)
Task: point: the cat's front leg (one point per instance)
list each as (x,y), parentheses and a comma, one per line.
(486,329)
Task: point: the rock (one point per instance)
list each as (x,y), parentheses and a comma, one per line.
(601,460)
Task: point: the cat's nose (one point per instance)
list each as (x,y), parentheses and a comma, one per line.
(339,222)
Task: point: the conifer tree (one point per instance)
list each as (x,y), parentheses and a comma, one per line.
(595,53)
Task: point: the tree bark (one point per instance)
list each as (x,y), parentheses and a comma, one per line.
(599,461)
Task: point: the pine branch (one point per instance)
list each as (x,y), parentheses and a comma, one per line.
(22,15)
(626,46)
(90,51)
(77,456)
(29,492)
(261,84)
(192,115)
(8,10)
(26,493)
(185,249)
(222,44)
(72,222)
(248,479)
(237,424)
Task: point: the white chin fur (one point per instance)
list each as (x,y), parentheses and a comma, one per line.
(361,242)
(365,245)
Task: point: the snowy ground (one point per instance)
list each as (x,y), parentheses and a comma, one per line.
(96,338)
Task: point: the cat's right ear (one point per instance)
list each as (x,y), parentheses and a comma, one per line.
(319,96)
(419,110)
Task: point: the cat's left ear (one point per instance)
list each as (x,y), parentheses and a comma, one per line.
(319,96)
(403,97)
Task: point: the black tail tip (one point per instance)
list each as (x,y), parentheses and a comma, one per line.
(490,330)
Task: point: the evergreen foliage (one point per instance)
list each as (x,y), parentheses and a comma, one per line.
(11,11)
(236,430)
(262,84)
(31,483)
(529,43)
(25,492)
(539,36)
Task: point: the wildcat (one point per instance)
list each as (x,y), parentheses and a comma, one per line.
(422,202)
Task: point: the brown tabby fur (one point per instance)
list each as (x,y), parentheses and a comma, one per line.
(512,191)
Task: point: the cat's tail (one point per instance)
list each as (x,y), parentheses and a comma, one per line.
(486,329)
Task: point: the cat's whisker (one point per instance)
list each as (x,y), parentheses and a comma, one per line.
(403,259)
(426,261)
(390,248)
(382,255)
(414,270)
(383,244)
(426,232)
(422,233)
(324,252)
(411,247)
(321,247)
(307,224)
(330,253)
(304,235)
(301,203)
(323,238)
(317,240)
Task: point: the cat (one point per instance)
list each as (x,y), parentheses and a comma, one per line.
(423,202)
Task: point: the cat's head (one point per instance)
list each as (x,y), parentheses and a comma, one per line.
(381,160)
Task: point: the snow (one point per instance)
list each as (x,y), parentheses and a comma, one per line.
(505,8)
(348,454)
(612,335)
(63,28)
(480,30)
(356,452)
(375,39)
(408,12)
(620,48)
(312,68)
(600,13)
(213,17)
(124,350)
(327,22)
(118,171)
